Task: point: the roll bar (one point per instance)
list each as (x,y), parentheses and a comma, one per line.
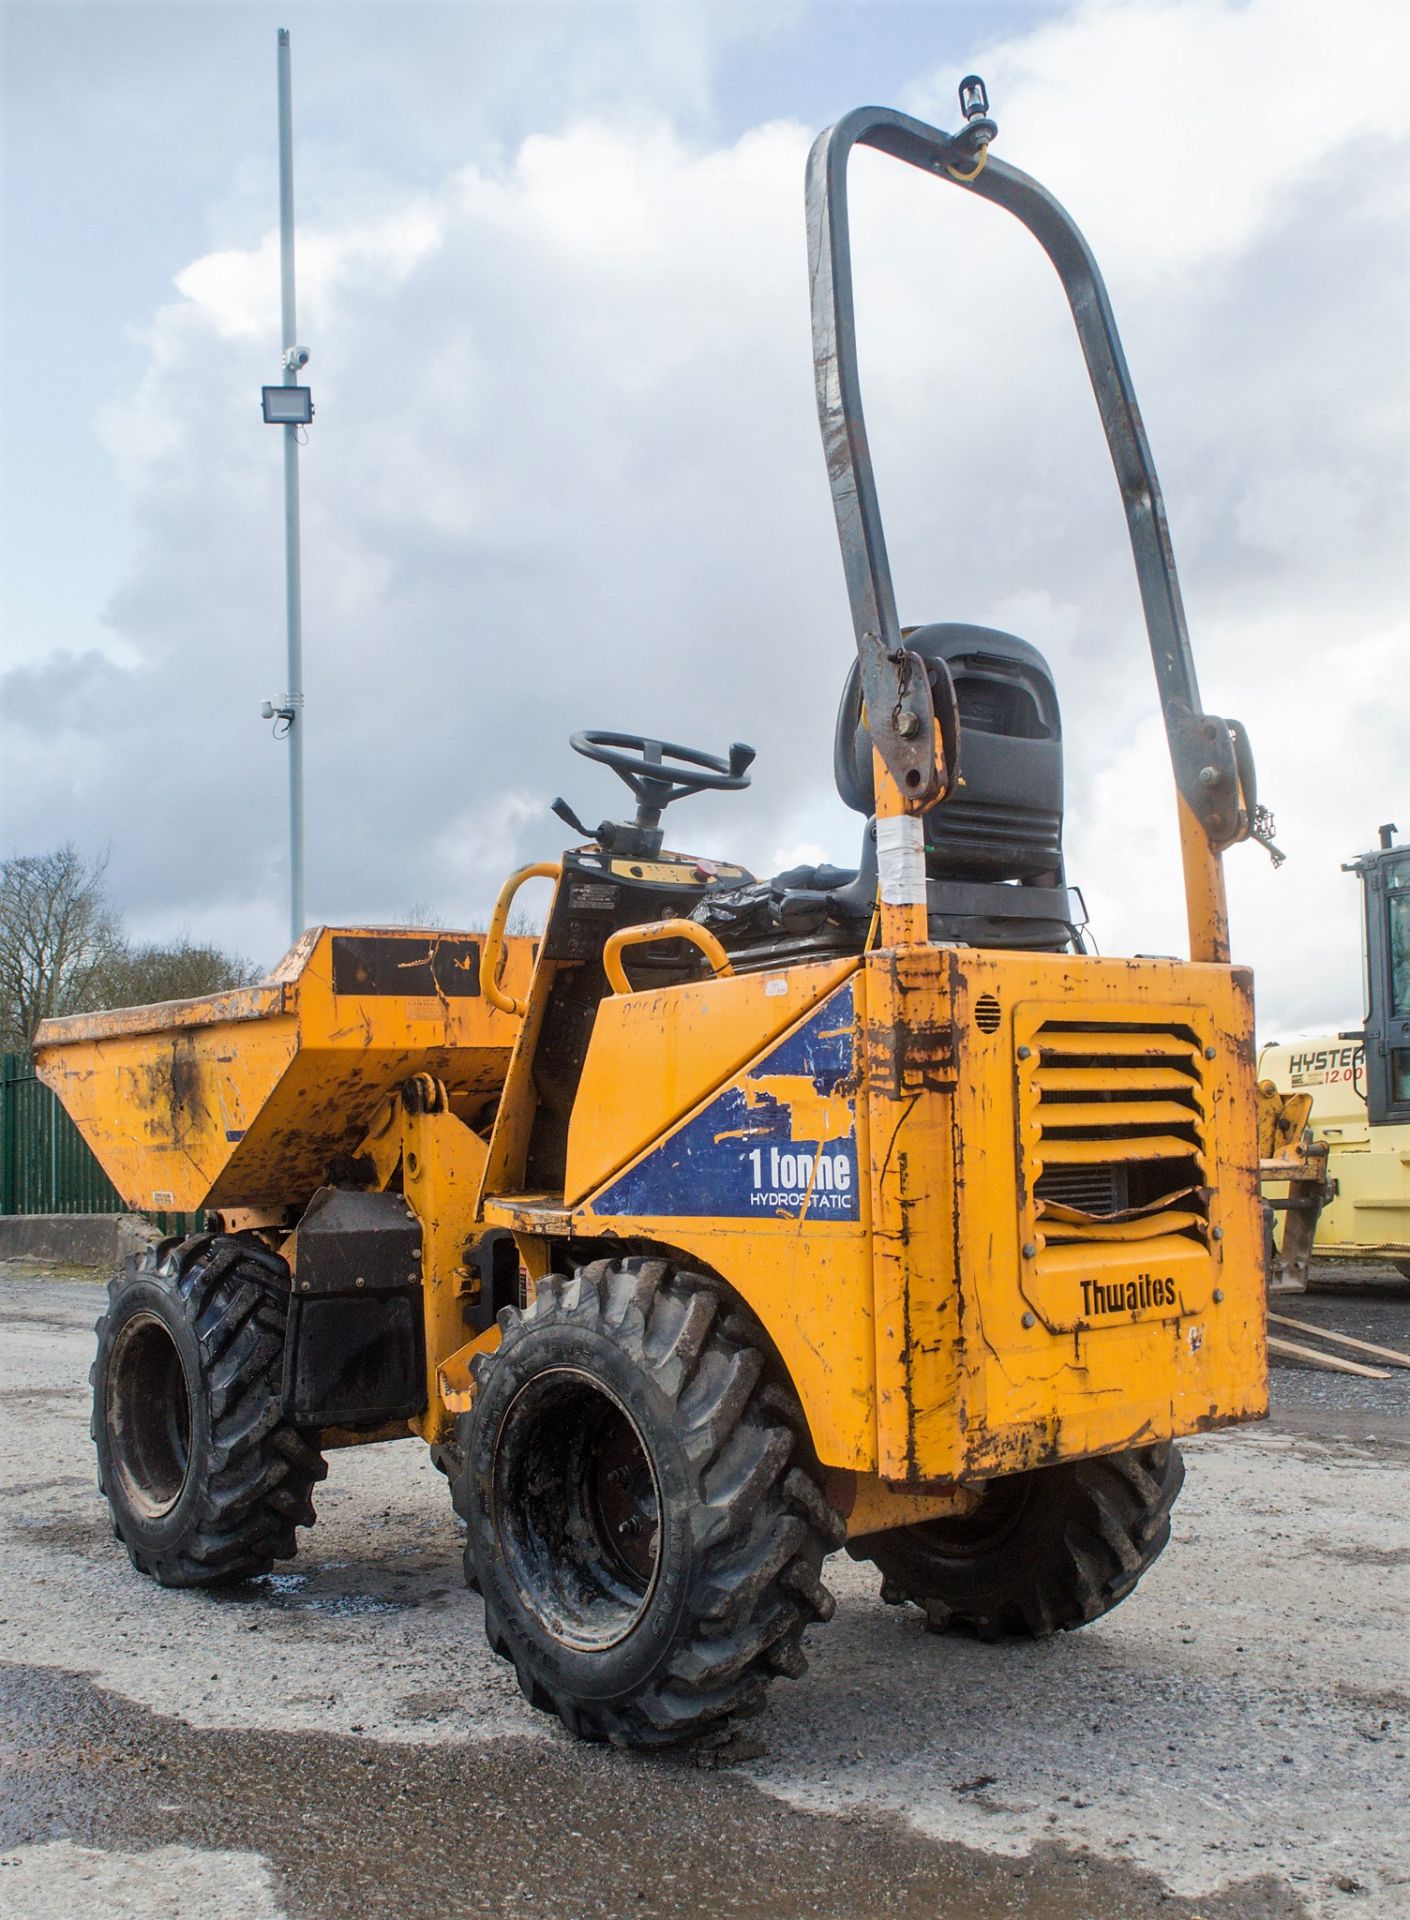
(1213,768)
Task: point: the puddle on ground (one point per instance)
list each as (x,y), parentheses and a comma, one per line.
(1358,1556)
(521,1828)
(299,1593)
(52,1322)
(87,1533)
(428,1706)
(23,1489)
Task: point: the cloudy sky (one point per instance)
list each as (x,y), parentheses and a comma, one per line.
(565,469)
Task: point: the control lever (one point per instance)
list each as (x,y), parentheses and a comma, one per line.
(570,819)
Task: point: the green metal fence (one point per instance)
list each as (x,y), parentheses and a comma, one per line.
(45,1164)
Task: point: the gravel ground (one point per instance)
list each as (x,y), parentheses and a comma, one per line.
(337,1740)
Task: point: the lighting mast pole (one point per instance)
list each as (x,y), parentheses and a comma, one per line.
(290,410)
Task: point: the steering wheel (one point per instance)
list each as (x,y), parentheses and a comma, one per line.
(659,771)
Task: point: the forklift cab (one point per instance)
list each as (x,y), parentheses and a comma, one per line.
(1385,880)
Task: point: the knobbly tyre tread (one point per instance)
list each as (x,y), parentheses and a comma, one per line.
(1090,1531)
(257,1474)
(761,1524)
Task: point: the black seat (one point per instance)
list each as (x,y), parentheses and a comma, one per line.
(993,849)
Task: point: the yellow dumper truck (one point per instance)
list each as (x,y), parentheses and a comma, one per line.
(731,1219)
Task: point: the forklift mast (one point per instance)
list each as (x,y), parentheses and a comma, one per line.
(1385,883)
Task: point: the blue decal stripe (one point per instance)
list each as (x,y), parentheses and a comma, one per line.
(738,1158)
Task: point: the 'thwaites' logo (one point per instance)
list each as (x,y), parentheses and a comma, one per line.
(1127,1296)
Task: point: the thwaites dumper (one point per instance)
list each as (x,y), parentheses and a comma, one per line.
(739,1219)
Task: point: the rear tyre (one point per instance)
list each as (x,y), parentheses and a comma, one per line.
(205,1479)
(643,1521)
(1053,1548)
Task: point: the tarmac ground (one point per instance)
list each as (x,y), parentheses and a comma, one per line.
(337,1740)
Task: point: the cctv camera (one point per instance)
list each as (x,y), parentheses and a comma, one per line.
(295,358)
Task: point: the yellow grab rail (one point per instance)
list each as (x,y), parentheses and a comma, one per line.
(661,930)
(492,953)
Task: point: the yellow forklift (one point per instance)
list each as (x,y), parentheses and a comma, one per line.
(1343,1101)
(732,1220)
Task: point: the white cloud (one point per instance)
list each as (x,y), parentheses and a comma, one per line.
(235,290)
(1177,126)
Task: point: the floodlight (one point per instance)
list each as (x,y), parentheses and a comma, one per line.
(287,406)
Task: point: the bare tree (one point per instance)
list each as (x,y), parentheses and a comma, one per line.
(57,933)
(179,969)
(63,950)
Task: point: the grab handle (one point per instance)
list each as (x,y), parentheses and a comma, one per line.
(492,953)
(655,930)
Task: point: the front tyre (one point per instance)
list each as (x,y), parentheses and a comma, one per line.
(205,1479)
(1053,1548)
(642,1524)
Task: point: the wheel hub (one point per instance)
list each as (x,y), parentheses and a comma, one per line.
(149,1410)
(577,1508)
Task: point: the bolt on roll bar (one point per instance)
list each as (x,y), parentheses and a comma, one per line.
(1212,764)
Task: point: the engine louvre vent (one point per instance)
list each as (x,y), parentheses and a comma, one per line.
(1113,1128)
(1092,1189)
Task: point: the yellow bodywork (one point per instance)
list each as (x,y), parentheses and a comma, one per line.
(942,1317)
(245,1099)
(958,1326)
